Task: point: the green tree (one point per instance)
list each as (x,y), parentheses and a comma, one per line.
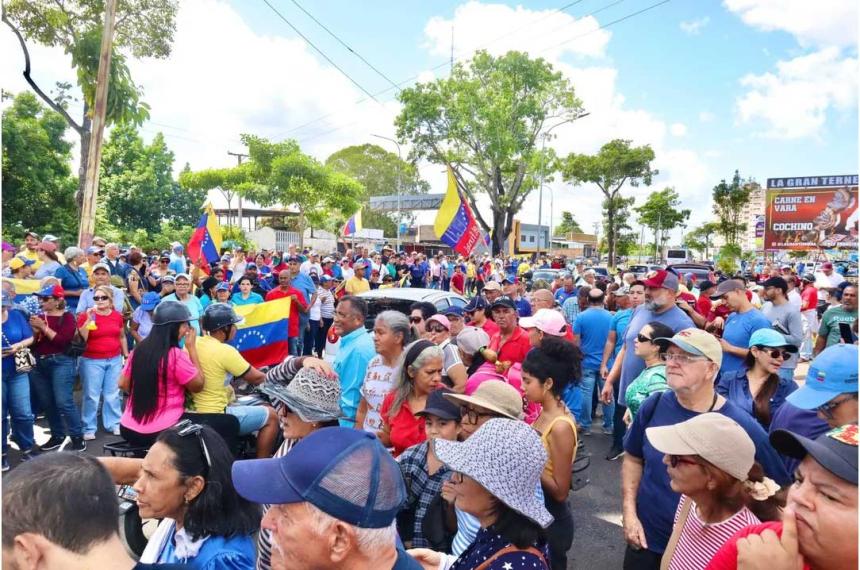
(144,28)
(38,187)
(381,173)
(568,225)
(625,238)
(729,200)
(701,238)
(489,122)
(615,165)
(137,186)
(661,214)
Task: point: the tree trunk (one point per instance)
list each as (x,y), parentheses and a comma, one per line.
(499,234)
(610,234)
(86,125)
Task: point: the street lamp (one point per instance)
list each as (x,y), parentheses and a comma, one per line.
(399,162)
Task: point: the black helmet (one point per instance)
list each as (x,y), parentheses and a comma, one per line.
(219,315)
(171,312)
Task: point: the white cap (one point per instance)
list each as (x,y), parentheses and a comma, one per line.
(547,321)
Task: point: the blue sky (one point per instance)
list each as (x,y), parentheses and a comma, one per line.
(765,86)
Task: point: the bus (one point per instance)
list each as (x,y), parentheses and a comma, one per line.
(678,255)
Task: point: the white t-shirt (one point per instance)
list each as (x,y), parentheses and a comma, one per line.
(307,268)
(823,281)
(378,381)
(315,312)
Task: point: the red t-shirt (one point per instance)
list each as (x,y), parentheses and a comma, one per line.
(490,327)
(103,342)
(293,330)
(808,298)
(703,305)
(405,429)
(458,281)
(726,557)
(514,349)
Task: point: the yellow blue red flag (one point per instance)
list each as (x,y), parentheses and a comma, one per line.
(352,225)
(455,223)
(262,337)
(205,242)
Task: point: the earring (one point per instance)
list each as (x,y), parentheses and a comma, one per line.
(187,501)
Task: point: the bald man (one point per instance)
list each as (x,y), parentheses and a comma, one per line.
(542,299)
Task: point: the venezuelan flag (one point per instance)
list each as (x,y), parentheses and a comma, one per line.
(23,287)
(262,338)
(205,242)
(352,225)
(455,223)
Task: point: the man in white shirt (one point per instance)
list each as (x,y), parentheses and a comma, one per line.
(312,265)
(827,281)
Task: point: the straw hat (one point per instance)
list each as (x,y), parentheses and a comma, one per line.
(496,396)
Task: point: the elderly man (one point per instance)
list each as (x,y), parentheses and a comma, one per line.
(113,262)
(743,321)
(566,291)
(334,501)
(819,526)
(831,386)
(511,343)
(355,351)
(837,317)
(590,330)
(94,255)
(827,280)
(60,513)
(542,299)
(299,304)
(693,360)
(358,283)
(101,276)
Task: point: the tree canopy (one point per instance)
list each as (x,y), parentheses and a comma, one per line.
(661,214)
(568,225)
(615,165)
(381,173)
(701,238)
(489,122)
(729,200)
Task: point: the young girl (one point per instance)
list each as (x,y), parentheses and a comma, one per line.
(427,518)
(547,370)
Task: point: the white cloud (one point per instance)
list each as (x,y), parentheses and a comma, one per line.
(706,117)
(499,28)
(813,23)
(694,27)
(678,129)
(793,102)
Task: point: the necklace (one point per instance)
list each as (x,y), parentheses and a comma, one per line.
(713,403)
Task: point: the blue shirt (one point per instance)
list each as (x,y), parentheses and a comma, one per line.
(737,332)
(355,351)
(620,320)
(488,542)
(253,298)
(735,386)
(632,366)
(304,284)
(216,553)
(524,309)
(592,326)
(561,295)
(656,502)
(194,305)
(15,329)
(799,421)
(72,281)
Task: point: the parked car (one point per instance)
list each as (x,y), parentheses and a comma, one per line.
(638,271)
(395,299)
(699,270)
(547,275)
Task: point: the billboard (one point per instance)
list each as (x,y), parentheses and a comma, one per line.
(811,213)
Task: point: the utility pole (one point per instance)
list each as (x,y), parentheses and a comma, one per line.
(239,156)
(91,183)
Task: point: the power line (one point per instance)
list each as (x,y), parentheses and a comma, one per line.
(344,44)
(319,51)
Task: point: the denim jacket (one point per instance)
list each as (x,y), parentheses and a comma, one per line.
(736,388)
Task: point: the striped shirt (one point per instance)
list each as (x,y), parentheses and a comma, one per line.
(700,541)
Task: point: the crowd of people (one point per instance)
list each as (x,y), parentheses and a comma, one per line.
(438,439)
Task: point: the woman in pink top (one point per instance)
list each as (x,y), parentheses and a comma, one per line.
(158,373)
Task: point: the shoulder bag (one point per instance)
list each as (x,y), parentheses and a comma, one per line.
(24,359)
(676,535)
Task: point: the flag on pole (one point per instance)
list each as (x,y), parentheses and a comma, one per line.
(262,337)
(205,242)
(352,225)
(455,223)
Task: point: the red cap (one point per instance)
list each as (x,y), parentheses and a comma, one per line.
(826,265)
(663,279)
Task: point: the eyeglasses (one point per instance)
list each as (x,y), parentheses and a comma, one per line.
(186,428)
(674,460)
(775,353)
(472,416)
(436,329)
(100,298)
(415,320)
(827,409)
(680,358)
(642,338)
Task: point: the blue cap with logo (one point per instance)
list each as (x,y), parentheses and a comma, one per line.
(150,300)
(345,473)
(770,338)
(833,372)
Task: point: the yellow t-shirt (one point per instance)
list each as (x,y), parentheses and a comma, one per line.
(221,363)
(523,267)
(354,286)
(471,272)
(31,255)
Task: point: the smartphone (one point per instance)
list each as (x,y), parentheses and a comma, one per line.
(846,333)
(127,492)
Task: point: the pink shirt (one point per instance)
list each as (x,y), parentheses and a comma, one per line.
(180,371)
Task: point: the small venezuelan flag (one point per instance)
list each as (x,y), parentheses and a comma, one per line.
(262,337)
(455,223)
(23,287)
(205,242)
(352,225)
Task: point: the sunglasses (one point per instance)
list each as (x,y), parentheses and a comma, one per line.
(186,428)
(827,409)
(775,352)
(415,320)
(100,298)
(680,358)
(472,416)
(436,329)
(675,460)
(642,338)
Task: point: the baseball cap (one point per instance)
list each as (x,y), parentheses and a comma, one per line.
(222,286)
(808,277)
(182,276)
(697,342)
(30,233)
(48,246)
(777,282)
(18,262)
(835,450)
(94,249)
(251,265)
(503,302)
(664,279)
(547,321)
(345,473)
(509,281)
(476,304)
(471,339)
(831,373)
(438,406)
(98,266)
(727,286)
(492,286)
(441,319)
(55,291)
(150,300)
(714,437)
(325,278)
(705,285)
(168,279)
(826,265)
(771,338)
(455,311)
(359,265)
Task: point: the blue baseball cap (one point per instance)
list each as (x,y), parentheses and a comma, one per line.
(770,338)
(833,372)
(325,279)
(345,473)
(150,300)
(222,286)
(456,311)
(477,303)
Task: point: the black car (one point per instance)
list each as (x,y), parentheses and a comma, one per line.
(699,270)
